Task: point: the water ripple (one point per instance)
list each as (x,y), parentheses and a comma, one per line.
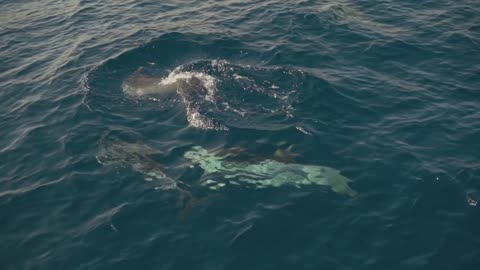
(388,95)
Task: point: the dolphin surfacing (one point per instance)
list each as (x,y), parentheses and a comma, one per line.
(139,85)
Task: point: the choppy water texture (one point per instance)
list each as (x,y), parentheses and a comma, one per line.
(99,96)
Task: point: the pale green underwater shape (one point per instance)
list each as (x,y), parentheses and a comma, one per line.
(221,170)
(267,173)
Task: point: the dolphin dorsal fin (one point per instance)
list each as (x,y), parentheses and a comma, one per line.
(290,147)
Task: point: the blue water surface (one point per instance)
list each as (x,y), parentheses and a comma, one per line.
(385,91)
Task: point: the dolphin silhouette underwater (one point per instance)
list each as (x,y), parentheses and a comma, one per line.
(221,170)
(138,157)
(222,167)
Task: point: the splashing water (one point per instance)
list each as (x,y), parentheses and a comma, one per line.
(218,94)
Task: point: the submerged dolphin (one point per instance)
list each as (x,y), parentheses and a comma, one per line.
(219,171)
(230,166)
(241,154)
(136,156)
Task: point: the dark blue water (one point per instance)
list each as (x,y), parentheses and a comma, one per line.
(387,92)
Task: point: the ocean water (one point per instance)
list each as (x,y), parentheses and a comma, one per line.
(101,100)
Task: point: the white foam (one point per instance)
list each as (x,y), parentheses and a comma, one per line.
(196,119)
(176,76)
(303,130)
(205,87)
(209,82)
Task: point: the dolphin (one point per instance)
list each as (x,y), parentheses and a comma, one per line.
(136,156)
(192,87)
(140,85)
(242,154)
(285,155)
(222,167)
(220,171)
